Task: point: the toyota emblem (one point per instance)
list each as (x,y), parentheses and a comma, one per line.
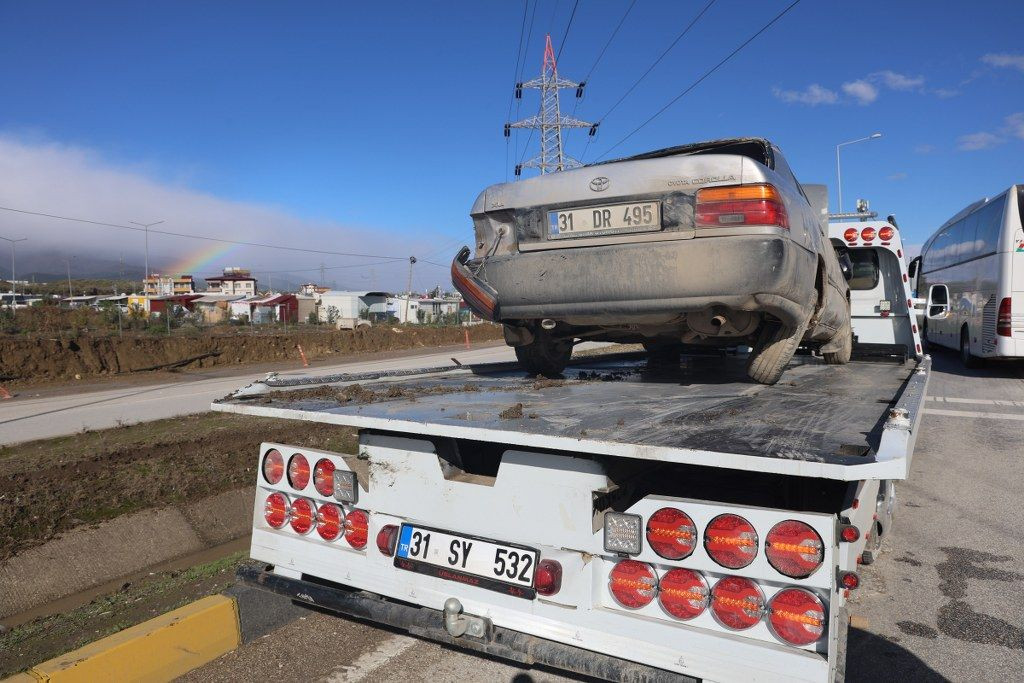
(599,184)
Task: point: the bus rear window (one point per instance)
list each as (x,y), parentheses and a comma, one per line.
(865,269)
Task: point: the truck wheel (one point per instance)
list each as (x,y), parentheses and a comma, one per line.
(873,547)
(842,356)
(773,350)
(969,360)
(544,355)
(662,354)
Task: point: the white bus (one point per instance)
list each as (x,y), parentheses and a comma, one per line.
(972,272)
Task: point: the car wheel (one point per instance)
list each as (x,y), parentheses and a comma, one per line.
(969,360)
(544,355)
(773,350)
(842,356)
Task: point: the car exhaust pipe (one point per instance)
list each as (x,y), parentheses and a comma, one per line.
(718,320)
(548,324)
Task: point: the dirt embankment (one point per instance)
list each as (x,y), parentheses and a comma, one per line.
(55,359)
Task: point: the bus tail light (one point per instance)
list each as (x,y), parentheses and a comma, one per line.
(357,528)
(731,541)
(726,207)
(794,549)
(671,533)
(737,603)
(633,584)
(683,593)
(275,510)
(1004,319)
(548,579)
(796,616)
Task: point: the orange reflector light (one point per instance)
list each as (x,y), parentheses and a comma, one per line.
(738,192)
(797,616)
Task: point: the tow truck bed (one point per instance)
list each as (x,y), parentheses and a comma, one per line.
(848,422)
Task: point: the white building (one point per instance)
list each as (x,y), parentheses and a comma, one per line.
(350,306)
(234,281)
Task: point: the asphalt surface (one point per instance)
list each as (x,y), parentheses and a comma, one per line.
(944,602)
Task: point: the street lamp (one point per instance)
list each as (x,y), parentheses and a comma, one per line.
(147,226)
(14,243)
(839,170)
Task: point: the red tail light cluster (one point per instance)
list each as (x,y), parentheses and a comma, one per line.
(323,477)
(794,549)
(731,541)
(298,471)
(738,205)
(273,466)
(357,528)
(275,510)
(633,584)
(683,593)
(886,234)
(548,578)
(796,616)
(329,521)
(671,533)
(868,234)
(737,603)
(303,515)
(1004,320)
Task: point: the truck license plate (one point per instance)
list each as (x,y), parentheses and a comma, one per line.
(594,221)
(496,566)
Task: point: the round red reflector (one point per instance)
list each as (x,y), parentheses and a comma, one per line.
(867,234)
(850,580)
(850,234)
(737,603)
(850,534)
(323,477)
(671,533)
(731,541)
(275,510)
(298,471)
(303,515)
(683,593)
(633,584)
(797,616)
(387,538)
(548,579)
(273,466)
(357,528)
(329,520)
(794,549)
(886,234)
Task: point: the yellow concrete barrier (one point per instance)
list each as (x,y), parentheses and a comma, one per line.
(160,649)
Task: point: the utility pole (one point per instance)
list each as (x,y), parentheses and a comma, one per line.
(408,296)
(147,226)
(550,121)
(70,294)
(14,243)
(321,273)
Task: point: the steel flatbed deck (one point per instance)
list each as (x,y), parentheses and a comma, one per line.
(849,423)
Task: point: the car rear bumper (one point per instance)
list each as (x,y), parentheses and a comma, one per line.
(760,273)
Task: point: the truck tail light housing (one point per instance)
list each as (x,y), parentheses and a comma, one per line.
(737,603)
(275,510)
(726,207)
(298,472)
(273,466)
(548,579)
(671,533)
(633,584)
(731,541)
(387,539)
(683,593)
(323,477)
(796,616)
(795,549)
(357,528)
(329,521)
(1004,320)
(302,516)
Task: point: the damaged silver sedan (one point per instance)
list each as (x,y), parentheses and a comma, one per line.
(711,244)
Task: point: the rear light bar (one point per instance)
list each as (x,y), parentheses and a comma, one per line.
(726,207)
(1004,321)
(480,296)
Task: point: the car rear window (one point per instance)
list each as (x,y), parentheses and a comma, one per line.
(865,269)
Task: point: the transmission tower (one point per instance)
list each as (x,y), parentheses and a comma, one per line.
(550,121)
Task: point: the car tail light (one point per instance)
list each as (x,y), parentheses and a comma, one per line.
(683,593)
(867,234)
(387,539)
(275,510)
(850,234)
(725,207)
(796,616)
(303,515)
(671,533)
(731,541)
(357,528)
(737,603)
(480,296)
(548,579)
(633,584)
(794,549)
(273,466)
(298,471)
(1003,322)
(885,234)
(323,477)
(329,521)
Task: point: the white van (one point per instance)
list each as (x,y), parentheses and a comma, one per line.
(972,272)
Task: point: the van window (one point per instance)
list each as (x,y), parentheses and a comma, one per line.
(865,269)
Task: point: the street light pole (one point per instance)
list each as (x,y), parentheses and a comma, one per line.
(147,226)
(839,169)
(14,243)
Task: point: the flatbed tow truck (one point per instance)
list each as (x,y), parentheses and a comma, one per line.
(627,522)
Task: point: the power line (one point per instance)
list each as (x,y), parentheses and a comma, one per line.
(567,27)
(586,79)
(515,76)
(705,76)
(519,75)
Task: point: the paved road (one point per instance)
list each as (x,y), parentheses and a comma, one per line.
(945,601)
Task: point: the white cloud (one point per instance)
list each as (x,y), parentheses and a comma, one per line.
(897,81)
(1015,125)
(862,91)
(813,95)
(974,142)
(898,176)
(945,93)
(1004,60)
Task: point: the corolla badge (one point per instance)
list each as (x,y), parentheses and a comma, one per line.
(599,184)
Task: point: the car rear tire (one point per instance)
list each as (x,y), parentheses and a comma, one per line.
(969,360)
(544,355)
(774,348)
(842,356)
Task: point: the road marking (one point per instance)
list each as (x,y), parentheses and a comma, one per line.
(977,401)
(973,414)
(370,661)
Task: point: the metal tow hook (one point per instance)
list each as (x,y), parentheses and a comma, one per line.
(458,624)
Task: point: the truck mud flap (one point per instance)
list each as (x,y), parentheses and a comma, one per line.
(429,623)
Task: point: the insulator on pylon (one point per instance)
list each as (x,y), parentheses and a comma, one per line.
(519,91)
(519,169)
(579,89)
(507,129)
(593,129)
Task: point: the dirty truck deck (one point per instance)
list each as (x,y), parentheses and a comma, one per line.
(819,421)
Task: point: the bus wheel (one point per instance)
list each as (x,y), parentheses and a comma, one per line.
(969,360)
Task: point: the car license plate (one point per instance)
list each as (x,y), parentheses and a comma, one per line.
(496,566)
(605,220)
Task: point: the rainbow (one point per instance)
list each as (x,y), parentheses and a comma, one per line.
(199,262)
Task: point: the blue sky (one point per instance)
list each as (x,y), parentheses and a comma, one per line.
(386,118)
